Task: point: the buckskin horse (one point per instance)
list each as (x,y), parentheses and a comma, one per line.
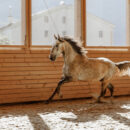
(78,67)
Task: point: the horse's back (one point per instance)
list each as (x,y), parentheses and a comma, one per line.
(108,67)
(97,69)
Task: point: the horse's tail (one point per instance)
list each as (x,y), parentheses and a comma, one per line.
(124,67)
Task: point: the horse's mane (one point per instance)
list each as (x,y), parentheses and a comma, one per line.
(80,50)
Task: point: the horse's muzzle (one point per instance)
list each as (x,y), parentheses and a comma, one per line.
(52,58)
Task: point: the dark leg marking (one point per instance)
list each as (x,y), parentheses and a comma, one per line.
(110,88)
(101,93)
(57,90)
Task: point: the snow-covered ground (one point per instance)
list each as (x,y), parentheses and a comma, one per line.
(67,115)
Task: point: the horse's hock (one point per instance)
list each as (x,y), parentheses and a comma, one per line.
(31,76)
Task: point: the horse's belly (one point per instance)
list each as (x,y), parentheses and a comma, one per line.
(90,76)
(83,78)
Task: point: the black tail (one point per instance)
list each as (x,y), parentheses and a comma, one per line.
(124,67)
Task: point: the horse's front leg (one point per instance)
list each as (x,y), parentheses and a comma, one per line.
(57,90)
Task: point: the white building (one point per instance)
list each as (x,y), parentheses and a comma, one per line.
(99,31)
(60,20)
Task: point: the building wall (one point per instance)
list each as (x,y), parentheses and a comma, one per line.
(31,76)
(96,25)
(13,33)
(55,25)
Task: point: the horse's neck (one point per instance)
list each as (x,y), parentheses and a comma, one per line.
(69,55)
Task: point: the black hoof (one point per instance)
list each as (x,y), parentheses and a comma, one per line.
(61,96)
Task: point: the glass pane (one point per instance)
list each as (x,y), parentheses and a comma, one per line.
(51,17)
(106,22)
(10,22)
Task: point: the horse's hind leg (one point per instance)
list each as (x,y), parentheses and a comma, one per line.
(111,89)
(103,89)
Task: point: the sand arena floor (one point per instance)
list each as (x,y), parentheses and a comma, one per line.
(67,115)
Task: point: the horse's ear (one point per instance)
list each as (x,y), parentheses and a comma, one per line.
(60,39)
(55,37)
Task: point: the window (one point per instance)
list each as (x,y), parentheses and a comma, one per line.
(46,33)
(46,19)
(63,19)
(64,33)
(10,22)
(100,34)
(108,18)
(55,12)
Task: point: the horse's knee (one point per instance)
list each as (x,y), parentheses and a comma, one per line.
(59,93)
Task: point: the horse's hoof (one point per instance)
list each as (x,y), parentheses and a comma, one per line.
(61,96)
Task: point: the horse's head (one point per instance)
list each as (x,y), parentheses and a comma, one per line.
(57,48)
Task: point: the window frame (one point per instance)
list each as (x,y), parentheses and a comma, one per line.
(127,31)
(26,19)
(23,31)
(128,22)
(82,7)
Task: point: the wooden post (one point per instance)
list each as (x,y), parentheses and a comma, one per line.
(83,21)
(28,24)
(23,22)
(80,20)
(77,19)
(128,23)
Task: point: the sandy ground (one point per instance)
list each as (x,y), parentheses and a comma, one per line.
(67,115)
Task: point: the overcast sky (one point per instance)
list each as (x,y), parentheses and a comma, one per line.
(113,11)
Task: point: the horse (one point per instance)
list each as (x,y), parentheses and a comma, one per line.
(78,67)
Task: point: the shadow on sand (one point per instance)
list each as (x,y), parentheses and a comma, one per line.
(84,112)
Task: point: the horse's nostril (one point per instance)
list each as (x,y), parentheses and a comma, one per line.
(52,58)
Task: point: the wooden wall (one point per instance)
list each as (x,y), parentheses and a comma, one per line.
(31,76)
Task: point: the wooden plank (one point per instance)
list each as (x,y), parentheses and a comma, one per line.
(21,91)
(29,73)
(23,55)
(20,86)
(42,94)
(30,76)
(26,68)
(34,77)
(21,99)
(57,64)
(12,51)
